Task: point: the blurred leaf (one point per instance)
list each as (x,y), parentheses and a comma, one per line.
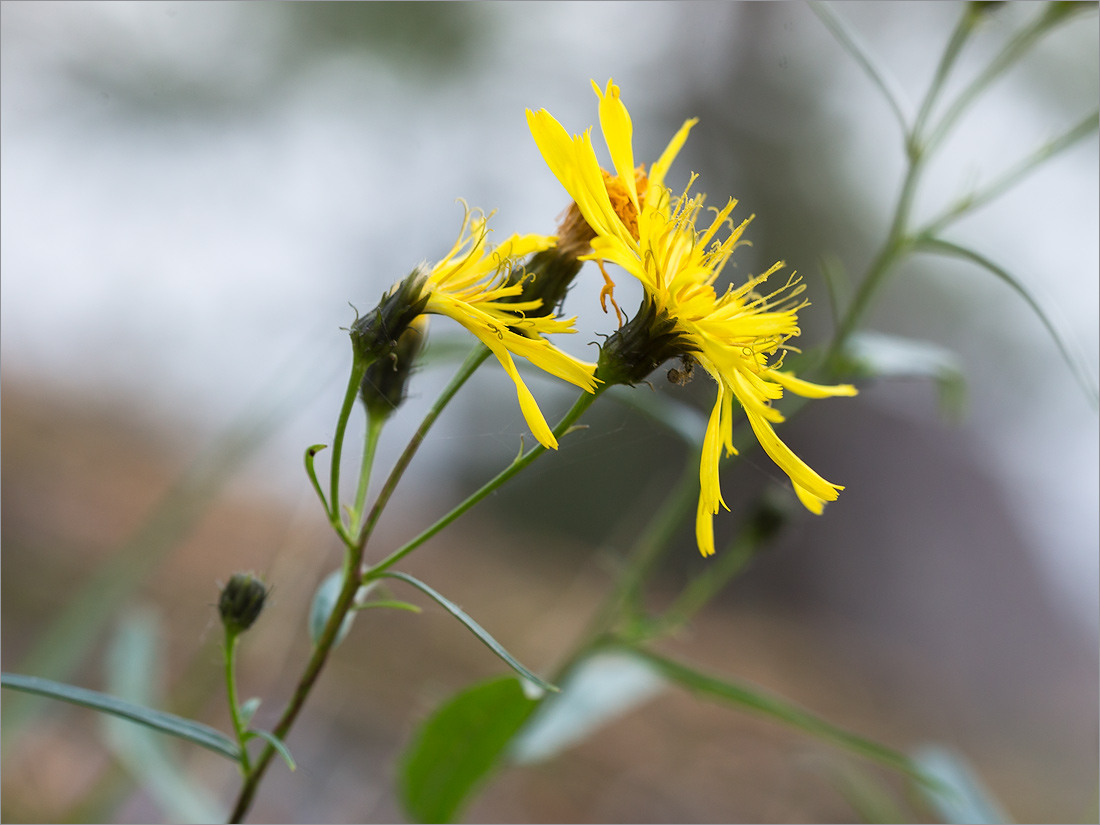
(600,689)
(474,628)
(68,638)
(248,710)
(680,419)
(960,797)
(1074,360)
(132,663)
(276,743)
(868,797)
(457,746)
(876,355)
(767,704)
(169,723)
(324,600)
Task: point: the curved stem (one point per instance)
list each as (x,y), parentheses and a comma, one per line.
(358,368)
(231,693)
(520,463)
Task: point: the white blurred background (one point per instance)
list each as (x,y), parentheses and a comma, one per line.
(192,193)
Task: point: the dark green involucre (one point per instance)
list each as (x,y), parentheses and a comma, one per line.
(375,335)
(386,380)
(241,602)
(641,345)
(547,275)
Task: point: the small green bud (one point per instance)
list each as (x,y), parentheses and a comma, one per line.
(641,345)
(385,381)
(375,335)
(241,601)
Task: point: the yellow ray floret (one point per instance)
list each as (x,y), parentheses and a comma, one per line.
(739,336)
(471,285)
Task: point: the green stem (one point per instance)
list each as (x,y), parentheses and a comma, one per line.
(353,561)
(474,360)
(1007,180)
(231,693)
(375,423)
(358,368)
(520,463)
(1050,16)
(958,39)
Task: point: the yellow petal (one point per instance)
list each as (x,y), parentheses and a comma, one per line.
(618,132)
(808,390)
(704,530)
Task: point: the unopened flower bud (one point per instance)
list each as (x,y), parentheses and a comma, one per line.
(385,381)
(641,345)
(375,335)
(241,601)
(547,275)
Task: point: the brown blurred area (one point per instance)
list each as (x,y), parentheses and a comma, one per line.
(878,625)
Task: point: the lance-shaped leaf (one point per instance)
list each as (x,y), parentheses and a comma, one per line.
(474,627)
(456,748)
(1070,354)
(599,690)
(169,723)
(782,710)
(875,355)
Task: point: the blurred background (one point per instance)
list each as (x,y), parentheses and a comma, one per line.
(192,193)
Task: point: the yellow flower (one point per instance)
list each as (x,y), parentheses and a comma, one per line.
(735,336)
(471,285)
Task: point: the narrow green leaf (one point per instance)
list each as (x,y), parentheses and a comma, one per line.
(1074,360)
(276,743)
(875,355)
(311,454)
(132,667)
(169,723)
(758,701)
(599,690)
(473,626)
(456,748)
(392,603)
(960,796)
(324,600)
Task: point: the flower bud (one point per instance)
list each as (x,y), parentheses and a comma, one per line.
(547,275)
(241,601)
(641,345)
(385,381)
(375,335)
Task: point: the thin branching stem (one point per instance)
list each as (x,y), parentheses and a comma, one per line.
(520,463)
(1010,178)
(353,560)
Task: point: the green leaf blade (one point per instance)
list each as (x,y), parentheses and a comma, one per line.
(458,746)
(782,710)
(195,732)
(473,627)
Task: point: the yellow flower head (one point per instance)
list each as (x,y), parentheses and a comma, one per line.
(472,285)
(735,336)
